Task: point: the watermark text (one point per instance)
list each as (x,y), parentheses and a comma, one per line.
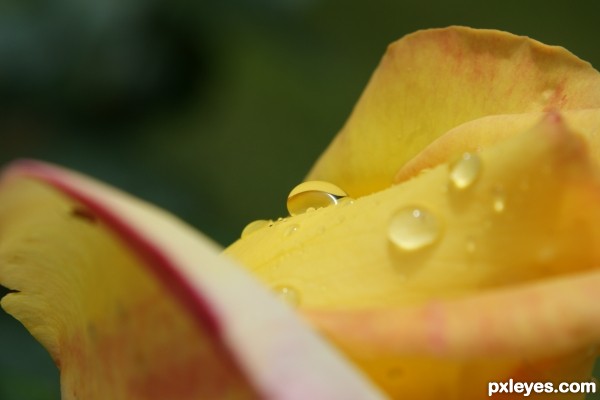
(527,388)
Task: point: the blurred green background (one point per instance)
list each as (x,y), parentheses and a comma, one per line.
(211,110)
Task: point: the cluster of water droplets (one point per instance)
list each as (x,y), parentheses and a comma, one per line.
(411,228)
(415,227)
(306,197)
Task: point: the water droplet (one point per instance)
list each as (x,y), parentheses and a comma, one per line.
(498,199)
(288,294)
(345,201)
(413,228)
(465,170)
(313,194)
(292,229)
(255,226)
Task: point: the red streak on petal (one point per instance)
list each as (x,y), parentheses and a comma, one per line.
(148,252)
(435,318)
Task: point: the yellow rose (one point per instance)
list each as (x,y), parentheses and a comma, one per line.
(467,256)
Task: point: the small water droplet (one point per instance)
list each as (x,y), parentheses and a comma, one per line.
(288,294)
(498,199)
(413,228)
(465,170)
(292,229)
(345,201)
(313,194)
(255,226)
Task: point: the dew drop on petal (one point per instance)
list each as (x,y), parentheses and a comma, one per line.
(255,226)
(465,170)
(291,229)
(413,228)
(313,194)
(288,294)
(345,201)
(498,199)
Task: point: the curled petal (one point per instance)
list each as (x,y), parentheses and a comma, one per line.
(479,134)
(518,321)
(133,304)
(518,211)
(548,331)
(434,80)
(487,241)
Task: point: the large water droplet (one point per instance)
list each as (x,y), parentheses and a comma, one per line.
(313,194)
(288,294)
(255,226)
(413,228)
(465,170)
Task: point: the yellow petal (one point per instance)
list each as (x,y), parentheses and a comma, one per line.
(133,304)
(527,212)
(545,332)
(495,295)
(482,133)
(434,80)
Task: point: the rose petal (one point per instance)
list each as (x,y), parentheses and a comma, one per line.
(482,303)
(529,212)
(133,304)
(547,331)
(482,133)
(434,80)
(541,319)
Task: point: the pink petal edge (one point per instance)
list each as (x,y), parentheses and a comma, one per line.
(283,357)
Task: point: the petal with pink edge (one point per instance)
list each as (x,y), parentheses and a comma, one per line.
(434,80)
(133,304)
